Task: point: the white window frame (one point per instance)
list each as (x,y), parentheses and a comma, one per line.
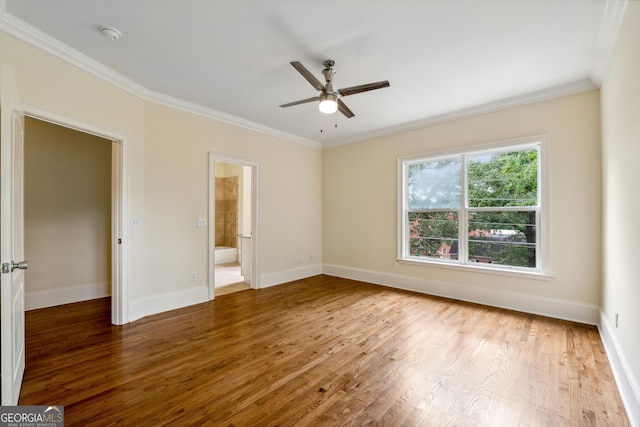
(543,244)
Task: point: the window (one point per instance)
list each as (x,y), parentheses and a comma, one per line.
(479,208)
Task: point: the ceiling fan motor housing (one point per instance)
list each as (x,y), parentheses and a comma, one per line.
(328,74)
(329,97)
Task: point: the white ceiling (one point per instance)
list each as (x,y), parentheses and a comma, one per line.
(230,58)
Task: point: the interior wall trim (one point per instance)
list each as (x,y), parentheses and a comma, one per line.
(533,304)
(570,88)
(609,29)
(284,276)
(167,301)
(31,35)
(119,200)
(628,385)
(53,297)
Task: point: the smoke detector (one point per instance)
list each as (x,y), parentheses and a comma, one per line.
(111,33)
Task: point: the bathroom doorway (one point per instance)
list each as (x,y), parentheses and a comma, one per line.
(232,219)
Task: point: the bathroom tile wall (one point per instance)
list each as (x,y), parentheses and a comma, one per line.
(226,211)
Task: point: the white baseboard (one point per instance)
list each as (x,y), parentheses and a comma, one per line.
(174,300)
(551,307)
(166,302)
(53,297)
(280,277)
(628,385)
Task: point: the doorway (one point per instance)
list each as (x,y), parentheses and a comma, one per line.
(114,242)
(233,233)
(67,214)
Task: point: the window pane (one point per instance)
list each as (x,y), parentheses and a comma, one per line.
(503,179)
(505,238)
(433,234)
(435,184)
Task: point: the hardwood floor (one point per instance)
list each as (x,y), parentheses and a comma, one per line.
(320,351)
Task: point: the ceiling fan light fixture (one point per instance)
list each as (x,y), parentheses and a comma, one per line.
(328,103)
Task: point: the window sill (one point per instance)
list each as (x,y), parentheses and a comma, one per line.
(535,275)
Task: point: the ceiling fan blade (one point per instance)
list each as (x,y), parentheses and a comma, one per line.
(302,101)
(342,107)
(362,88)
(307,75)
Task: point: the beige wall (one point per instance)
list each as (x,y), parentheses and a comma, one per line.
(342,203)
(621,191)
(67,210)
(168,154)
(360,206)
(176,170)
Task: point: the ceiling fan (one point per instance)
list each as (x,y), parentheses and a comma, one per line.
(329,98)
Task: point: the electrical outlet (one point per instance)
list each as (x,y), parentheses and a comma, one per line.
(202,222)
(300,260)
(194,276)
(310,257)
(135,222)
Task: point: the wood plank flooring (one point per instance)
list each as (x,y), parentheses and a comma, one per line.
(322,351)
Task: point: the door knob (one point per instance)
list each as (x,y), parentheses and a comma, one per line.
(22,265)
(8,268)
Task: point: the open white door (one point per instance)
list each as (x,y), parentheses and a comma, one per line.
(12,239)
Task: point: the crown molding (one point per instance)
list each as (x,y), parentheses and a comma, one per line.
(614,12)
(189,107)
(31,35)
(607,36)
(571,88)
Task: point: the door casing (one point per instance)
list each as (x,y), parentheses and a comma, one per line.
(255,220)
(119,202)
